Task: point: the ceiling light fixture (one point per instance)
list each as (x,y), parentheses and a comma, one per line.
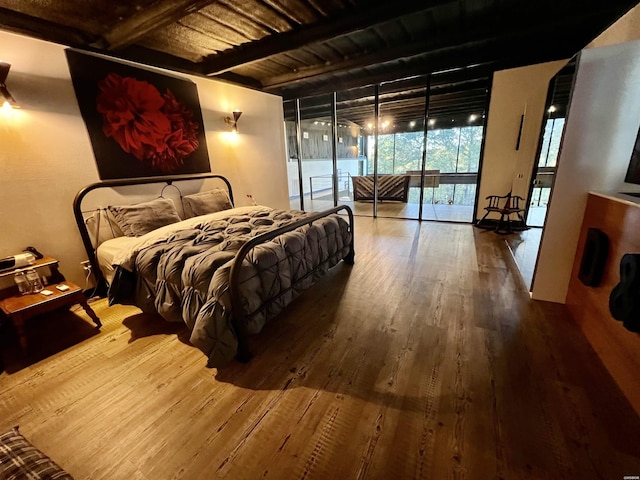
(8,101)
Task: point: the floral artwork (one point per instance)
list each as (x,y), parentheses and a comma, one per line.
(141,123)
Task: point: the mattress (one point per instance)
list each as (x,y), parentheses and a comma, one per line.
(107,252)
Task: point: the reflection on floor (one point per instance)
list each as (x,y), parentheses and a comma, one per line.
(524,247)
(536,216)
(442,212)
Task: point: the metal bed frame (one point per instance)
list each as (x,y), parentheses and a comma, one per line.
(237,315)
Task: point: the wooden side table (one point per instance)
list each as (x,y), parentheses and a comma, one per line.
(20,308)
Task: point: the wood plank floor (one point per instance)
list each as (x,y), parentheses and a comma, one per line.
(426,359)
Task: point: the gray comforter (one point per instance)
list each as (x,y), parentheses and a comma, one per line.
(182,271)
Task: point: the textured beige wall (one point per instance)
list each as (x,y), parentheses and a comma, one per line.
(46,156)
(599,135)
(515,92)
(600,132)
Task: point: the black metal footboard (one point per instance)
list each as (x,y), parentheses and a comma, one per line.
(237,314)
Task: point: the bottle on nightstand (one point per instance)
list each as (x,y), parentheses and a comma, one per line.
(34,280)
(24,286)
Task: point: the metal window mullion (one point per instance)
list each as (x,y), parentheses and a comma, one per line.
(299,147)
(375,152)
(424,144)
(546,157)
(334,148)
(453,198)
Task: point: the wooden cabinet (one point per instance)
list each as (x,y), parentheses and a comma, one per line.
(20,308)
(618,348)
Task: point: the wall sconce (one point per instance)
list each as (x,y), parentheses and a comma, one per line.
(5,97)
(233,122)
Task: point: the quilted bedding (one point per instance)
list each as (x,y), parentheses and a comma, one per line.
(181,271)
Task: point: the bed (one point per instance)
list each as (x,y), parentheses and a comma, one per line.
(224,271)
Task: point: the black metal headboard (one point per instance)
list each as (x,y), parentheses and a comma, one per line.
(168,180)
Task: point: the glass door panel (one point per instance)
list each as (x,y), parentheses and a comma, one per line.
(400,143)
(356,116)
(291,143)
(316,152)
(545,173)
(454,144)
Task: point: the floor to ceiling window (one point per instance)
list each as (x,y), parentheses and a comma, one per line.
(454,147)
(547,163)
(355,117)
(381,164)
(310,165)
(400,144)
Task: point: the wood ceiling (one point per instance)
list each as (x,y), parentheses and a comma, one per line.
(299,48)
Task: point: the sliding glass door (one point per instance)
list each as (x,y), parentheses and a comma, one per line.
(310,167)
(366,148)
(355,113)
(400,145)
(454,145)
(546,169)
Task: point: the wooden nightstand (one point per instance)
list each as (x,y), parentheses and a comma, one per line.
(20,308)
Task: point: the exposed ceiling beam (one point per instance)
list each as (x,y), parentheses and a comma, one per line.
(353,20)
(43,29)
(489,41)
(157,15)
(465,73)
(154,58)
(432,58)
(406,109)
(248,82)
(381,56)
(473,89)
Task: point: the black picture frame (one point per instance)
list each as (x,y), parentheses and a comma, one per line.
(140,123)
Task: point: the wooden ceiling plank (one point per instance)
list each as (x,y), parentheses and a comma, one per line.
(351,21)
(481,67)
(238,21)
(381,56)
(474,92)
(182,41)
(296,10)
(484,43)
(158,15)
(325,7)
(490,46)
(205,39)
(215,28)
(260,12)
(43,29)
(146,56)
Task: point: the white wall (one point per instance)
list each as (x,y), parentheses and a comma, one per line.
(46,155)
(515,92)
(600,132)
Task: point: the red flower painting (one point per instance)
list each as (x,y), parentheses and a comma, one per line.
(141,122)
(155,128)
